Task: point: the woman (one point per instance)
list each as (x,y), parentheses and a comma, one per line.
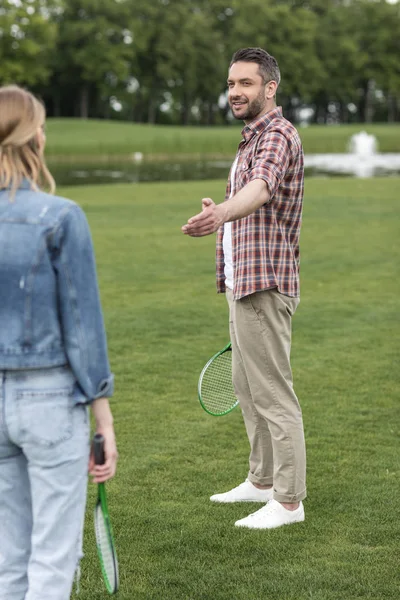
(53,363)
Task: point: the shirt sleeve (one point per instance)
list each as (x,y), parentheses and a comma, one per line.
(271,160)
(80,308)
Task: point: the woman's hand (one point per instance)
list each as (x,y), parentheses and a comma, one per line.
(104,425)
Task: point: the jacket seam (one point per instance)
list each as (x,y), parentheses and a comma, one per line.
(74,304)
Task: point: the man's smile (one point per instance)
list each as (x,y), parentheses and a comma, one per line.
(238,103)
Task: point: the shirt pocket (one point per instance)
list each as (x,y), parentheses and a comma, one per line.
(44,416)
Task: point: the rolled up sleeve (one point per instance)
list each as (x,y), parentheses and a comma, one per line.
(80,307)
(271,160)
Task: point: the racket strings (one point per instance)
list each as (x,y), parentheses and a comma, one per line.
(217,394)
(105,547)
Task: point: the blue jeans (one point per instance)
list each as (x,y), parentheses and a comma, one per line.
(44,452)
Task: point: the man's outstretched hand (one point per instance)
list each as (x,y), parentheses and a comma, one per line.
(208,221)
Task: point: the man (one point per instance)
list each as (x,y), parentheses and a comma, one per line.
(258,229)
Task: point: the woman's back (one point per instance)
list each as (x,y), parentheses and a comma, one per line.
(49,298)
(30,329)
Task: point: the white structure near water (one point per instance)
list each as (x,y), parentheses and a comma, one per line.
(362,160)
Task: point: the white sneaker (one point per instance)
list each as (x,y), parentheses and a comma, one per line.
(272,515)
(245,492)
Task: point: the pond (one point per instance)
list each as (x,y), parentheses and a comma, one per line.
(135,171)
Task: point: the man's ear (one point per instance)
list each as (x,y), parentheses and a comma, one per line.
(270,90)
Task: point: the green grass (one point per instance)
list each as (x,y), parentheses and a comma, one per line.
(71,138)
(164,320)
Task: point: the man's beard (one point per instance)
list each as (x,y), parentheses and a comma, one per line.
(254,108)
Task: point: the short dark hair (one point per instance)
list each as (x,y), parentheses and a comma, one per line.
(267,64)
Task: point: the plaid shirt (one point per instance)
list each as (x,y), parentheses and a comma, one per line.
(265,244)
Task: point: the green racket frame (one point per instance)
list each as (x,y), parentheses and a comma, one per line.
(227,348)
(102,508)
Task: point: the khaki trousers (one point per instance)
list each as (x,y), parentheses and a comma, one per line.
(260,330)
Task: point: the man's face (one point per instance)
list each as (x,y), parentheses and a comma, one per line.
(247,91)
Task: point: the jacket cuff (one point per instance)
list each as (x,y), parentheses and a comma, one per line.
(105,388)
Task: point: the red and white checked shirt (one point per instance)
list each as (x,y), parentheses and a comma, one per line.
(265,244)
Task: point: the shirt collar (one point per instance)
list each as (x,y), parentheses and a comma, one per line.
(257,126)
(25,184)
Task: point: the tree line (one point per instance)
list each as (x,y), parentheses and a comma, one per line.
(166,61)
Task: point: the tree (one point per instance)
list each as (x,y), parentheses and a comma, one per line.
(27,40)
(197,63)
(377,31)
(92,51)
(339,54)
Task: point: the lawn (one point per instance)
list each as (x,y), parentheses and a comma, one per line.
(72,138)
(164,320)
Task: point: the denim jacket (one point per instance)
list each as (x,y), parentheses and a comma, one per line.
(50,311)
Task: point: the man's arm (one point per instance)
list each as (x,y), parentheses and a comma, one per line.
(246,201)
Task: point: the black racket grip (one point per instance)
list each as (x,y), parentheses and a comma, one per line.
(98,449)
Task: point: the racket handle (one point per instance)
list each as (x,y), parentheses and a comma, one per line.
(98,449)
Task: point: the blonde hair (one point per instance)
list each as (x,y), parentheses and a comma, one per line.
(21,117)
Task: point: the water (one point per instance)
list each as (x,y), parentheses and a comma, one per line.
(362,160)
(363,144)
(136,171)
